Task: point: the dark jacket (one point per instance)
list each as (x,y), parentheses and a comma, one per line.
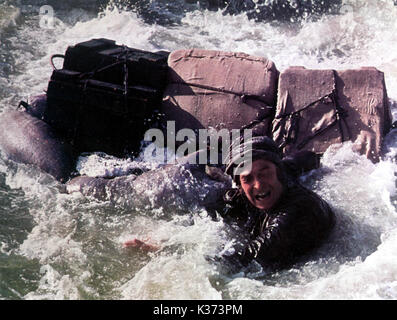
(298,223)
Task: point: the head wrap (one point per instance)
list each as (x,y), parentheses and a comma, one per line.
(243,152)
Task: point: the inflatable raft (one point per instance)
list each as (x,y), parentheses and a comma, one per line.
(107,96)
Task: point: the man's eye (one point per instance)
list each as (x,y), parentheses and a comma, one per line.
(264,173)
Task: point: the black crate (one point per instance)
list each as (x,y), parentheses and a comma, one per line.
(103,60)
(99,116)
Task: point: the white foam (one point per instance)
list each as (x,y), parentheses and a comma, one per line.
(180,270)
(54,286)
(9,15)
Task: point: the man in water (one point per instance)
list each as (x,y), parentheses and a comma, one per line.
(282,220)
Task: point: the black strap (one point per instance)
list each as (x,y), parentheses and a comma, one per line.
(256,121)
(318,132)
(85,77)
(244,97)
(52,60)
(291,135)
(23,104)
(328,95)
(341,114)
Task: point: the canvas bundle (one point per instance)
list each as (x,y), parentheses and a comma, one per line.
(318,108)
(220,90)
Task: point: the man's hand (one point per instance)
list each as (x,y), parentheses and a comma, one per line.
(145,246)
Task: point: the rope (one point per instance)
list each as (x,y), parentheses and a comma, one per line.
(340,115)
(85,77)
(256,121)
(244,97)
(23,104)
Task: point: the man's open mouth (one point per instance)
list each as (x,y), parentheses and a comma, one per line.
(262,196)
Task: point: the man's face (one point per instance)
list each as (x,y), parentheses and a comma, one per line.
(261,185)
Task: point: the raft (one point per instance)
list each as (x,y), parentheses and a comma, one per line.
(107,96)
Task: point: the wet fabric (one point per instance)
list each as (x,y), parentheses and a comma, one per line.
(300,222)
(26,139)
(254,148)
(221,90)
(318,108)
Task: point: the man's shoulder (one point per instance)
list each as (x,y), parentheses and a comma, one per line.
(310,205)
(230,205)
(305,201)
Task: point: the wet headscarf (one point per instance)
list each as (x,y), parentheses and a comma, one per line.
(259,147)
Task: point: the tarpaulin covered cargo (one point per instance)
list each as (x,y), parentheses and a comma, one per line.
(317,108)
(217,89)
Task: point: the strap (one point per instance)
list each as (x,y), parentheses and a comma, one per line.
(256,121)
(24,104)
(122,58)
(52,60)
(315,134)
(328,95)
(85,77)
(125,69)
(341,114)
(244,97)
(292,134)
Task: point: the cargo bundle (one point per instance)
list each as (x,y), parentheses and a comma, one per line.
(105,96)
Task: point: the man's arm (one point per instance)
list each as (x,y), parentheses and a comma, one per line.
(145,246)
(272,242)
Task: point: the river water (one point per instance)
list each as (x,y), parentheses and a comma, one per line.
(59,246)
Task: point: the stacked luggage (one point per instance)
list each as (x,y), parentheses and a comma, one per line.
(105,96)
(301,109)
